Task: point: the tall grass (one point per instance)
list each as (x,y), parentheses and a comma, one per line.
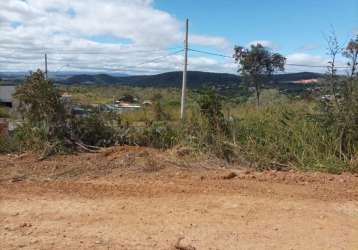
(282,133)
(287,135)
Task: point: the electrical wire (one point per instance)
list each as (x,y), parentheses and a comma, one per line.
(288,64)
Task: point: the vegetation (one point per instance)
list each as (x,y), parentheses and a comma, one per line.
(286,132)
(4,113)
(257,65)
(340,115)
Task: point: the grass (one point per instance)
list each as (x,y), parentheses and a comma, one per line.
(95,94)
(280,133)
(4,113)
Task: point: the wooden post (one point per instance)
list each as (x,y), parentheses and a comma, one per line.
(185,71)
(46,73)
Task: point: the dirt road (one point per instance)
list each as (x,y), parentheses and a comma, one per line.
(152,210)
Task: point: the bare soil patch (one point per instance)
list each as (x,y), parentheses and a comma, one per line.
(140,198)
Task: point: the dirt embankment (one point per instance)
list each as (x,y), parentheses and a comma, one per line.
(138,198)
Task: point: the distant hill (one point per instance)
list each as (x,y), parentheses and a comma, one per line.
(91,79)
(196,79)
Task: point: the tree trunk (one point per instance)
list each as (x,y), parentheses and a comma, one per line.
(257,87)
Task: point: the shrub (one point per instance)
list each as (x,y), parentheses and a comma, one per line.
(38,139)
(158,135)
(45,124)
(7,145)
(4,113)
(93,130)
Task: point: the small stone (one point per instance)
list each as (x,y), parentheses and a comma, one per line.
(25,225)
(230,176)
(342,181)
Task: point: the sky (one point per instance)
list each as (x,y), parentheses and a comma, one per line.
(146,36)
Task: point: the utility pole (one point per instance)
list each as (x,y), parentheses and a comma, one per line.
(185,71)
(46,73)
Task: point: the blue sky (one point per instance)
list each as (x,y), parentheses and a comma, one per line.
(126,35)
(292,26)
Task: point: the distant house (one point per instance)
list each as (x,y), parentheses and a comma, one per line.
(128,99)
(7,89)
(127,102)
(147,103)
(125,105)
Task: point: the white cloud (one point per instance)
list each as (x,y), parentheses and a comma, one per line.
(308,47)
(355,31)
(311,63)
(303,58)
(65,30)
(298,59)
(265,43)
(219,42)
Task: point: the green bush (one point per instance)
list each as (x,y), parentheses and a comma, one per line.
(38,139)
(7,145)
(4,113)
(158,135)
(93,130)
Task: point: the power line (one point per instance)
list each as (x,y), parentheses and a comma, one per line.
(104,51)
(315,66)
(134,67)
(288,64)
(210,53)
(162,57)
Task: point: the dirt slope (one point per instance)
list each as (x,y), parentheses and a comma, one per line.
(134,198)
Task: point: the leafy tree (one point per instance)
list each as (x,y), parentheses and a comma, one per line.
(257,64)
(351,53)
(49,126)
(40,104)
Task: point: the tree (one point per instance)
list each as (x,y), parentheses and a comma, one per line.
(257,64)
(40,101)
(351,53)
(334,49)
(340,115)
(43,112)
(48,126)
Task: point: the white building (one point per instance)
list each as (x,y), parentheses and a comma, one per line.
(6,94)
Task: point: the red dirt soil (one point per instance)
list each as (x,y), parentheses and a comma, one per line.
(139,198)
